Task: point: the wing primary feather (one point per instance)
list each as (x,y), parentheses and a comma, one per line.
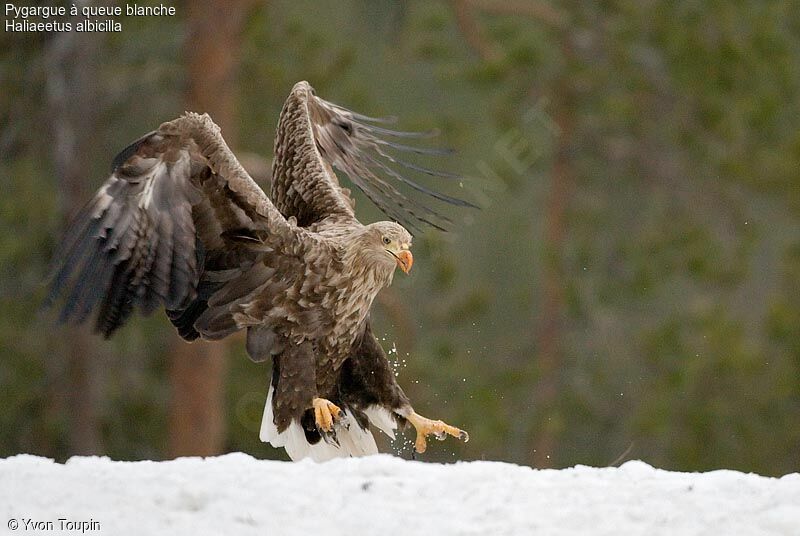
(86,226)
(435,151)
(357,146)
(359,116)
(404,219)
(403,202)
(62,272)
(162,266)
(415,167)
(390,193)
(433,193)
(129,151)
(380,198)
(398,133)
(117,305)
(77,232)
(184,270)
(426,171)
(146,278)
(75,303)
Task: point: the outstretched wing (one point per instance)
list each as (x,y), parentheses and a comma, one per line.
(314,135)
(158,224)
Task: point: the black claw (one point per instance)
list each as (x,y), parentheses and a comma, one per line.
(329,437)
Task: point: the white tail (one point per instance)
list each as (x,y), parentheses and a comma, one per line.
(353,440)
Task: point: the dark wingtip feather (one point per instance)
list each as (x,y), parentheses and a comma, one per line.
(354,144)
(426,171)
(129,151)
(415,185)
(399,133)
(184,319)
(360,117)
(436,151)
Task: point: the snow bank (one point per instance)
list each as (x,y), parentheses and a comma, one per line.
(237,494)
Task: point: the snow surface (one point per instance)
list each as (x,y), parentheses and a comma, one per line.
(237,494)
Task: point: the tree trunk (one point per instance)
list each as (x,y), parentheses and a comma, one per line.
(71,75)
(550,322)
(198,371)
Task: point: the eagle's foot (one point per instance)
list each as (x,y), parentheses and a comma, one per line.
(326,413)
(439,429)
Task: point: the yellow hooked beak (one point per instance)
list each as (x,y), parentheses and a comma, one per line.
(405,260)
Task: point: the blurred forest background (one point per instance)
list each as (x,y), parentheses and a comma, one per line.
(631,288)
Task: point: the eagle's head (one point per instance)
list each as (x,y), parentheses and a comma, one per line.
(390,244)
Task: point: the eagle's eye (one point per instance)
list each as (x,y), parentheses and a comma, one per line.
(387,240)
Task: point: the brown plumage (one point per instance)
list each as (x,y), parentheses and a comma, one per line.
(181,224)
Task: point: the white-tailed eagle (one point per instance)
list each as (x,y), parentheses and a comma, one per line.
(180,224)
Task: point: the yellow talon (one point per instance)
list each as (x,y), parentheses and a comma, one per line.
(325,413)
(426,427)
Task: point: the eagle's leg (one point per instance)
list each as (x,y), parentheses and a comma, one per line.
(426,427)
(368,382)
(326,413)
